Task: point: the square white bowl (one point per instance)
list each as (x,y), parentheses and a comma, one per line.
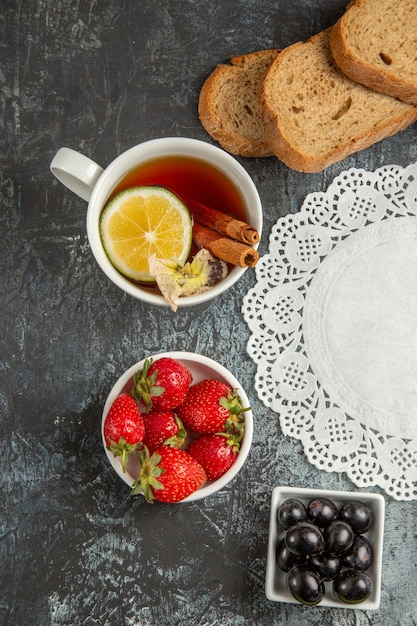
(275,584)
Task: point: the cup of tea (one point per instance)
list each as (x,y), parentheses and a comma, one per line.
(189,168)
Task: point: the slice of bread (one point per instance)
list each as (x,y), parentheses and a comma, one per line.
(228,104)
(375,43)
(316,116)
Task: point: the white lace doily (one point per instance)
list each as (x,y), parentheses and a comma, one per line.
(333,320)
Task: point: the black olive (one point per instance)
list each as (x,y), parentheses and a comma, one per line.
(285,558)
(352,586)
(358,515)
(305,585)
(305,539)
(338,537)
(360,555)
(326,565)
(291,512)
(322,511)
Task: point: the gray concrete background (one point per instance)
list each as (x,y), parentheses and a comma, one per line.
(76,549)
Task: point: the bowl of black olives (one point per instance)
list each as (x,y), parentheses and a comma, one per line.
(325,548)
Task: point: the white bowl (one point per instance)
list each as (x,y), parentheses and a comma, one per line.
(200,367)
(276,587)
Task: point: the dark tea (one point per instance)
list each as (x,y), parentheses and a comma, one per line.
(189,179)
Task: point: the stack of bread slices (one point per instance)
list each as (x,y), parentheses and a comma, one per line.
(314,103)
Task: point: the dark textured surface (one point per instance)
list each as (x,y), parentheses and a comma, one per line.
(101,76)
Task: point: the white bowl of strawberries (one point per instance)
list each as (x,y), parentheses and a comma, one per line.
(177,427)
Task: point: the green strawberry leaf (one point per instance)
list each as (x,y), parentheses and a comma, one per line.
(144,386)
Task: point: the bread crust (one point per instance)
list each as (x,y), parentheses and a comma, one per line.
(384,70)
(332,138)
(224,114)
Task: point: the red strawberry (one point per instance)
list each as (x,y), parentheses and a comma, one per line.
(169,475)
(163,428)
(211,406)
(215,453)
(123,427)
(163,384)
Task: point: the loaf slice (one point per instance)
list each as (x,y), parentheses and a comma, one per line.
(375,43)
(229,108)
(315,116)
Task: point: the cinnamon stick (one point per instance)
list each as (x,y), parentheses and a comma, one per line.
(229,250)
(223,223)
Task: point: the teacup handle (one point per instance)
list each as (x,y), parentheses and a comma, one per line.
(76,171)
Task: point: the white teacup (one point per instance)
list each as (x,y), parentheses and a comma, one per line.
(95,184)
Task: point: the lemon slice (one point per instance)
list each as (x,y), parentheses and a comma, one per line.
(141,222)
